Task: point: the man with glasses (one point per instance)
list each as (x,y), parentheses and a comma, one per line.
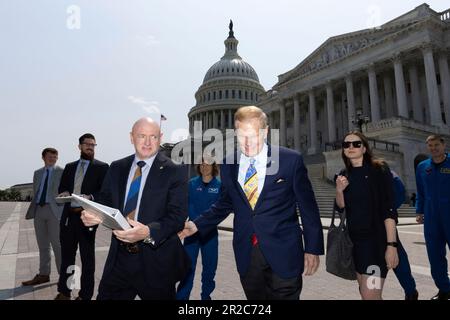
(82,177)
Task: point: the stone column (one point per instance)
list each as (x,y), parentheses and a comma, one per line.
(374,98)
(297,123)
(445,84)
(230,120)
(215,119)
(331,115)
(387,83)
(365,98)
(432,88)
(415,94)
(346,125)
(271,120)
(350,100)
(400,89)
(312,123)
(282,123)
(222,119)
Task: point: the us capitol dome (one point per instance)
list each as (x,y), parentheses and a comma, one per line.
(229,84)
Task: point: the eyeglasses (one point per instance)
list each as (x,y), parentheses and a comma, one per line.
(347,144)
(90,144)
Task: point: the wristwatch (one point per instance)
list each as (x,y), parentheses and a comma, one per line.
(149,239)
(393,244)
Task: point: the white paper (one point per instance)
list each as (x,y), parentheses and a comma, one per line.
(112,218)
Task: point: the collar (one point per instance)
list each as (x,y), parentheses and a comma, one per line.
(148,161)
(260,158)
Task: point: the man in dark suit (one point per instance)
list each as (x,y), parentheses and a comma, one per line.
(151,191)
(263,185)
(83,177)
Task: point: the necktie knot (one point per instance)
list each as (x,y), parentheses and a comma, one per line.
(141,164)
(252,161)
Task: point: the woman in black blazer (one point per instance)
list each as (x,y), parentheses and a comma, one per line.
(365,190)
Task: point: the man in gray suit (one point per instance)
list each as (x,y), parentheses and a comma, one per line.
(46,214)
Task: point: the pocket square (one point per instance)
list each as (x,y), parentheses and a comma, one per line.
(280,180)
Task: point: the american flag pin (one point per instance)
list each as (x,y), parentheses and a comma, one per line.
(160,168)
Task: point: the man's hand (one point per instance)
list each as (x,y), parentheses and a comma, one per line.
(90,219)
(419,218)
(87,196)
(137,233)
(311,264)
(189,229)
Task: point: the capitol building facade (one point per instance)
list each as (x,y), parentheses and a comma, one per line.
(229,84)
(392,82)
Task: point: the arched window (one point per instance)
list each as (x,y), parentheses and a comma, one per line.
(246,95)
(233,95)
(240,94)
(214,95)
(226,94)
(251,96)
(220,94)
(209,96)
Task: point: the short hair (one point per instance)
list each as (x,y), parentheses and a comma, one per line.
(49,150)
(215,168)
(86,136)
(435,137)
(249,113)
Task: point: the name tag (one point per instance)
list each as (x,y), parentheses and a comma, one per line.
(445,170)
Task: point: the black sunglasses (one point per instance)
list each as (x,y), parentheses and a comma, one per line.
(356,144)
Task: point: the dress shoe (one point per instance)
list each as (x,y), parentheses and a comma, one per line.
(38,279)
(413,296)
(61,296)
(441,296)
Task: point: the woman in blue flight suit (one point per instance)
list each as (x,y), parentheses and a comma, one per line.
(204,190)
(433,210)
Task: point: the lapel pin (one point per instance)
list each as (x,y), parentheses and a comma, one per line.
(160,168)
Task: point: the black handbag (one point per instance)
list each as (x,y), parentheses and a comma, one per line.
(339,257)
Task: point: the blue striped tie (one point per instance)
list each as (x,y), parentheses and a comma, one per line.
(133,194)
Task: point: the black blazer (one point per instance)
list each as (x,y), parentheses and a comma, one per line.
(92,182)
(163,207)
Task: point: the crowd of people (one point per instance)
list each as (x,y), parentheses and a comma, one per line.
(173,219)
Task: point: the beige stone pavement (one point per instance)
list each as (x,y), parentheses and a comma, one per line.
(19,261)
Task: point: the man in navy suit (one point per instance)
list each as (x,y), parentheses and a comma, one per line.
(264,187)
(151,191)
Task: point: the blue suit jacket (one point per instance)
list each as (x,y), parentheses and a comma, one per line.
(163,208)
(274,219)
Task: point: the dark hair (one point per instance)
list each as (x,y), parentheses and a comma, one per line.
(435,137)
(368,156)
(86,136)
(49,150)
(215,168)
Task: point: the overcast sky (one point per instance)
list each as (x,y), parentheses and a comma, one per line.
(61,76)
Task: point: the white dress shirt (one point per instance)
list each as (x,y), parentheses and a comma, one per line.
(260,166)
(145,170)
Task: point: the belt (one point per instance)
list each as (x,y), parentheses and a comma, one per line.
(130,247)
(254,240)
(76,210)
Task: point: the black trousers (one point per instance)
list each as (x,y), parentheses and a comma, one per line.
(261,283)
(127,280)
(73,233)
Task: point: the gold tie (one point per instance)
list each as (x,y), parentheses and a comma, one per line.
(251,184)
